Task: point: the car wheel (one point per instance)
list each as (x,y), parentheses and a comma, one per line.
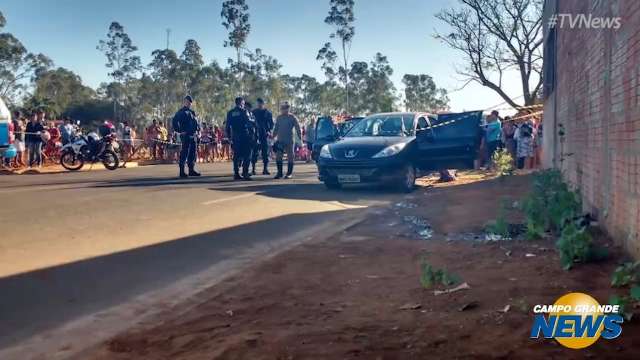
(332,184)
(408,180)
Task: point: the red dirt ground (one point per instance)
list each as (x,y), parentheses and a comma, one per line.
(344,298)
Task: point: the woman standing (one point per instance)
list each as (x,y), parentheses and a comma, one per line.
(525,138)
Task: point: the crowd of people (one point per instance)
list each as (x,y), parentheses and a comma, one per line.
(521,136)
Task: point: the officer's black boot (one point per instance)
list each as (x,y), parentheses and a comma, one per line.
(266,169)
(193,172)
(253,168)
(236,170)
(245,173)
(279,166)
(289,170)
(182,173)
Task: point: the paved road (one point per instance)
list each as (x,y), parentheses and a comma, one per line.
(74,244)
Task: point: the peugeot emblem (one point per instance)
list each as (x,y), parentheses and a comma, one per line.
(350,154)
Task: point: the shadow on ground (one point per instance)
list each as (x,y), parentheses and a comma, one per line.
(36,301)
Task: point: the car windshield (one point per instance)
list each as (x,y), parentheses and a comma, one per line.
(383,125)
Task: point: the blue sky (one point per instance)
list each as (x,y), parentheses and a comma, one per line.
(291,30)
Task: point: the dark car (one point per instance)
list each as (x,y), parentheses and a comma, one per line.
(327,132)
(391,148)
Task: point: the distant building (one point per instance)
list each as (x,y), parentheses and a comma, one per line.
(592,95)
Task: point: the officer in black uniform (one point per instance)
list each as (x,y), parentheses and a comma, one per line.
(264,122)
(240,128)
(185,123)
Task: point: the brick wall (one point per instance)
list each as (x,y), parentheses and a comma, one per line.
(596,97)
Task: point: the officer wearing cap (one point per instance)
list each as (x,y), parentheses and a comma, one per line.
(264,122)
(240,127)
(185,123)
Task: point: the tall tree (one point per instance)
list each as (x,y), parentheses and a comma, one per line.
(341,18)
(121,58)
(17,65)
(235,18)
(495,37)
(191,62)
(165,72)
(381,93)
(422,94)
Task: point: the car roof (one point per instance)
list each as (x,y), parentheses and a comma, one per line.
(400,113)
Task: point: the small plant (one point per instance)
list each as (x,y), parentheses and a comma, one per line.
(430,276)
(574,245)
(626,275)
(500,226)
(503,162)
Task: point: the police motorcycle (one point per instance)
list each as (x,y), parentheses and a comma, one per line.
(90,148)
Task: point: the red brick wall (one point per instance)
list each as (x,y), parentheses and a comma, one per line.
(597,99)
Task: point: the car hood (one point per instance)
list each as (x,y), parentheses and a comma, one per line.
(358,148)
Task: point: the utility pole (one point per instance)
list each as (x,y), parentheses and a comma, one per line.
(168,36)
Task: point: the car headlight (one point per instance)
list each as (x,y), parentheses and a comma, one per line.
(325,153)
(390,150)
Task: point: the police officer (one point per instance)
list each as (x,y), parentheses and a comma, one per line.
(264,122)
(240,128)
(185,123)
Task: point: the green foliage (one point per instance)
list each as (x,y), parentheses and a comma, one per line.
(17,65)
(574,245)
(503,162)
(552,206)
(500,226)
(430,276)
(626,274)
(625,304)
(422,94)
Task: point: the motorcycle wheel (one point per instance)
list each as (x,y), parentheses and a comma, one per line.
(110,160)
(71,161)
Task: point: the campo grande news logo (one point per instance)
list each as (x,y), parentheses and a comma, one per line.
(576,321)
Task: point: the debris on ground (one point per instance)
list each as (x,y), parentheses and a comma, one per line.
(410,306)
(463,286)
(505,309)
(421,226)
(406,205)
(468,306)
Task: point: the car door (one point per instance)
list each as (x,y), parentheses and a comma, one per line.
(326,133)
(450,141)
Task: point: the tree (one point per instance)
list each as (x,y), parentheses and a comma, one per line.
(235,18)
(497,36)
(190,63)
(341,18)
(165,72)
(62,88)
(422,94)
(380,93)
(17,65)
(121,58)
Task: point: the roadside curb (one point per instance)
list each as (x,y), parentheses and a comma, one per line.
(57,169)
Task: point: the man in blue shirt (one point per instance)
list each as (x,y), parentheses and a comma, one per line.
(492,135)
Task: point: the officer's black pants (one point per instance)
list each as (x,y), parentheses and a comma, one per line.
(241,156)
(261,148)
(188,152)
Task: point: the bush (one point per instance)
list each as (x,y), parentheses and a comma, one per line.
(430,276)
(503,162)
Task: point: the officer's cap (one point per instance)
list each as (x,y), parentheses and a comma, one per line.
(189,98)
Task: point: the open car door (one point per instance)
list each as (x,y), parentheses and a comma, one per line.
(326,133)
(449,141)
